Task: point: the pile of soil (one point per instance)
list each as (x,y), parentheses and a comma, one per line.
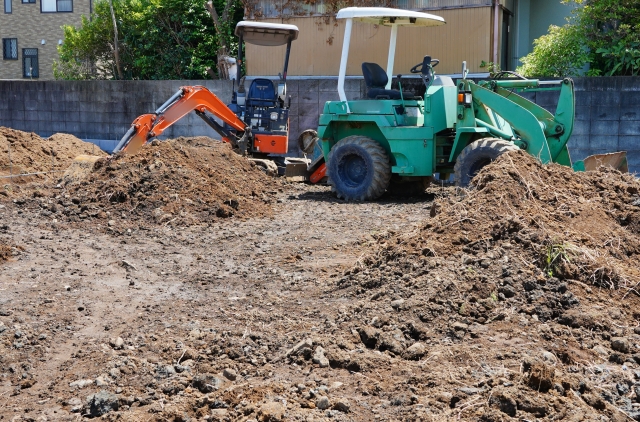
(31,153)
(522,293)
(177,182)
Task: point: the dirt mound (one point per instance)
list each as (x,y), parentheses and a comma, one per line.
(583,226)
(31,153)
(522,293)
(178,182)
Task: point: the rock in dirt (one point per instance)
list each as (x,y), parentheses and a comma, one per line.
(230,374)
(206,383)
(219,415)
(117,343)
(620,344)
(304,344)
(75,404)
(80,383)
(271,412)
(539,375)
(505,402)
(323,403)
(600,349)
(594,401)
(369,336)
(549,358)
(320,358)
(101,403)
(342,405)
(397,304)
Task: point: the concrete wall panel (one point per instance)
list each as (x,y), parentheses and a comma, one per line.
(607,109)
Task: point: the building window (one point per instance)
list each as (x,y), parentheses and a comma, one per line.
(10,48)
(52,6)
(29,1)
(7,6)
(30,63)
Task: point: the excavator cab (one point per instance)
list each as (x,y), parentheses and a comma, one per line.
(264,107)
(256,122)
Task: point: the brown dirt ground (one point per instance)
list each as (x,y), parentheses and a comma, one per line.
(532,278)
(178,182)
(515,300)
(181,182)
(31,153)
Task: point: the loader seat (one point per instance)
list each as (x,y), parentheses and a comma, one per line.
(262,93)
(376,79)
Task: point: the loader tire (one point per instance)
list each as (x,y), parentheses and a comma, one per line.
(478,154)
(358,169)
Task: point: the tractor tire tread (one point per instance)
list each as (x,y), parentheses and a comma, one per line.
(485,148)
(381,164)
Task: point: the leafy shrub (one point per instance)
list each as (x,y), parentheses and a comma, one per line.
(562,52)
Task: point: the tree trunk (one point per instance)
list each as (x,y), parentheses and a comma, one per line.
(216,20)
(223,50)
(116,51)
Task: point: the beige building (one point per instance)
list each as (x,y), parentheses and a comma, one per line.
(31,32)
(477,31)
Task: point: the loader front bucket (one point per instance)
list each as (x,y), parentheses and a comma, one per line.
(80,167)
(616,160)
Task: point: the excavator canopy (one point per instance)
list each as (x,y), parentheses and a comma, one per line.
(266,34)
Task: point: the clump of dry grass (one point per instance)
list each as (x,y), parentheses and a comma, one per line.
(5,252)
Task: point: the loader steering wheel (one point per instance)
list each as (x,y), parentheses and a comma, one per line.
(418,68)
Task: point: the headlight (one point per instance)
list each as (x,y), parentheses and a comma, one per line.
(274,116)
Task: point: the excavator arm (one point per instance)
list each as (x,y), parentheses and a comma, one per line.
(188,98)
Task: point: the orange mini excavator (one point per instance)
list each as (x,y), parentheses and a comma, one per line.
(256,122)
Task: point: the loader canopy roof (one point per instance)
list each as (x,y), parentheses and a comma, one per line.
(379,16)
(388,17)
(266,34)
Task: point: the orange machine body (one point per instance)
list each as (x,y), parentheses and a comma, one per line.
(270,144)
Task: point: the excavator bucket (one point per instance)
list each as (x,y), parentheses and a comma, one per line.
(616,160)
(80,167)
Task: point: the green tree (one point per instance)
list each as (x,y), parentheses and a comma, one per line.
(562,52)
(603,33)
(88,51)
(611,29)
(157,39)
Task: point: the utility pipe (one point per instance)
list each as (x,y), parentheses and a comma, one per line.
(496,32)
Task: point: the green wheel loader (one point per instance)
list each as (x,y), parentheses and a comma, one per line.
(397,141)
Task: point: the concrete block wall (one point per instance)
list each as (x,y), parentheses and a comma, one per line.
(96,110)
(308,97)
(607,117)
(607,109)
